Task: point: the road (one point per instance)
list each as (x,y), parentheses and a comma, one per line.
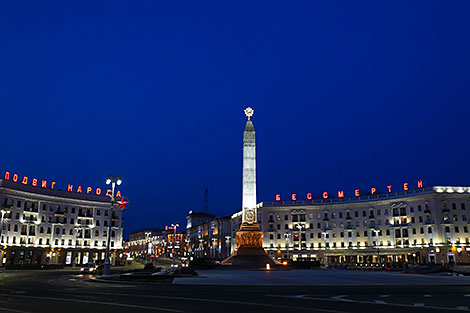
(67,291)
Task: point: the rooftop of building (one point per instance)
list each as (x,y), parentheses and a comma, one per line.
(370,198)
(200,214)
(66,195)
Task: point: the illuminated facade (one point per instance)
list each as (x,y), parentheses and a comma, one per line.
(426,225)
(152,243)
(207,236)
(48,226)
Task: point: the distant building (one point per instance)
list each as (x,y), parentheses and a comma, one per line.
(207,236)
(47,226)
(140,243)
(427,225)
(197,218)
(154,243)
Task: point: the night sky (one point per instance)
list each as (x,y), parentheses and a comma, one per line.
(346,95)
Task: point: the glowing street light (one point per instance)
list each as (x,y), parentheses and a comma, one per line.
(174,242)
(112,180)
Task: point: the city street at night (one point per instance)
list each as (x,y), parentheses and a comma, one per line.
(70,291)
(234,156)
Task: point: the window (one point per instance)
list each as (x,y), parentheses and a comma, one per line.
(286,217)
(386,212)
(278,226)
(412,209)
(356,214)
(71,232)
(456,229)
(72,221)
(419,208)
(105,213)
(364,214)
(41,230)
(48,230)
(15,228)
(454,206)
(271,236)
(286,226)
(340,214)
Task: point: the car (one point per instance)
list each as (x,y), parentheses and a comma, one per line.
(89,267)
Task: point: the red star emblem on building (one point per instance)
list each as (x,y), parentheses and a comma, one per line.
(122,203)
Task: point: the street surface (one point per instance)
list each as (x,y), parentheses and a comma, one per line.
(69,291)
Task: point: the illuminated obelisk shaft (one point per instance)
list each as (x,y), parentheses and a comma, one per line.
(249,252)
(249,172)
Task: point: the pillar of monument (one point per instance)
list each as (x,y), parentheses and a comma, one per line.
(249,216)
(249,252)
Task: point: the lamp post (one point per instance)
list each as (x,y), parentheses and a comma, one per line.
(227,244)
(299,227)
(112,180)
(287,235)
(174,242)
(377,231)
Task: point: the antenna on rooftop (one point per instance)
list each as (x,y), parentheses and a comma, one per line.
(206,201)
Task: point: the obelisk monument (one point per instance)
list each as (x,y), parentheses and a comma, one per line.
(250,252)
(249,216)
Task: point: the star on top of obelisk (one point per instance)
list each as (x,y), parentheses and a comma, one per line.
(249,112)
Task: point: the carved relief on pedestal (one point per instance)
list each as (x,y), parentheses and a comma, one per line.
(249,239)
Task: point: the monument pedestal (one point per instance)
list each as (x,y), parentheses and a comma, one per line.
(250,253)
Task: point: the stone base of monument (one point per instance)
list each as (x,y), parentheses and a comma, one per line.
(250,253)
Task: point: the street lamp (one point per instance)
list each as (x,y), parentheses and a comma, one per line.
(112,180)
(299,227)
(227,244)
(287,235)
(174,242)
(377,231)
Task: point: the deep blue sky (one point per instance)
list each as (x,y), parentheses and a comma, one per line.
(346,95)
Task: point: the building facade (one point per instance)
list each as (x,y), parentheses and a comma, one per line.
(41,226)
(154,243)
(208,236)
(427,225)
